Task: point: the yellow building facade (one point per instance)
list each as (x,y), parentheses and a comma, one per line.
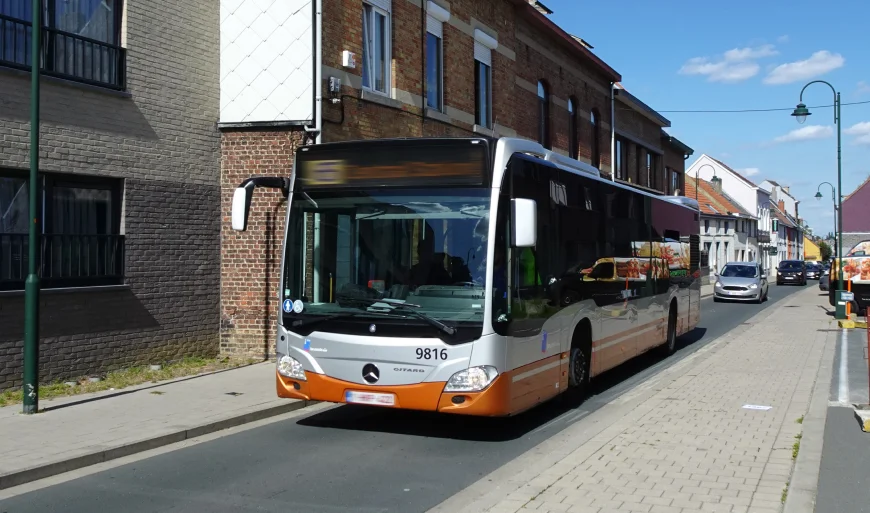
(811,250)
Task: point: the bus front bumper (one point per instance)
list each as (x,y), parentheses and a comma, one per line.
(492,402)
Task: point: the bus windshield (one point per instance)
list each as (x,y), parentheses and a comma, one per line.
(364,252)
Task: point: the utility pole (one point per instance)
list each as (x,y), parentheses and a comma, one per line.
(31,286)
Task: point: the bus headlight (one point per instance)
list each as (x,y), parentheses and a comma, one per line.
(290,367)
(473,379)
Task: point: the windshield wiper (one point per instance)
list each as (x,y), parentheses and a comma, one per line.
(395,306)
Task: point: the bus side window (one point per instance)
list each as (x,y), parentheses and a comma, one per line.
(529,266)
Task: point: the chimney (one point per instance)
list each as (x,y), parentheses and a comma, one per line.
(782,206)
(717,184)
(786,190)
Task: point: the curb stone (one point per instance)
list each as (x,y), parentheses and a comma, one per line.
(86,460)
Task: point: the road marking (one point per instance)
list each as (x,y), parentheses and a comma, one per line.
(844,368)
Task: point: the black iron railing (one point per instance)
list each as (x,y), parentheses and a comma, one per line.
(64,260)
(64,55)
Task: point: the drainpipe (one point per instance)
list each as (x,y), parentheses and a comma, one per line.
(318,73)
(612,134)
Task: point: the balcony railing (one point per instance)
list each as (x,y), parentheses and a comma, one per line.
(64,260)
(64,55)
(763,237)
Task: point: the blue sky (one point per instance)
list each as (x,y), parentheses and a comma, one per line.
(742,54)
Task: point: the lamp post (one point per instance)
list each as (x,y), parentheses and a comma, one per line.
(31,285)
(833,199)
(800,113)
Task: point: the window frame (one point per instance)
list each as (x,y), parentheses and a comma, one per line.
(544,115)
(487,122)
(440,71)
(47,182)
(595,143)
(573,139)
(369,63)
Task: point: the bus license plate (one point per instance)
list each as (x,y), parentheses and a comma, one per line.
(370,398)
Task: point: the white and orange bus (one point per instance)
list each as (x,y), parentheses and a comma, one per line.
(470,275)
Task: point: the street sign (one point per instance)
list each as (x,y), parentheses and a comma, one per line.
(847,296)
(772,251)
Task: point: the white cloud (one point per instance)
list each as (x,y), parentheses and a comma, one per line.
(749,171)
(782,39)
(735,65)
(861,131)
(806,133)
(818,64)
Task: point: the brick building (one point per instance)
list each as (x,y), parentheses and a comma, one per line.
(129,176)
(405,68)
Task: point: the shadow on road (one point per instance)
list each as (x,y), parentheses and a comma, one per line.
(477,429)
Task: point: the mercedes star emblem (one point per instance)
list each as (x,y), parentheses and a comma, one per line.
(371,373)
(372,328)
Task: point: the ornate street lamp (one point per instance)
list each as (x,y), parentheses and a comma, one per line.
(800,114)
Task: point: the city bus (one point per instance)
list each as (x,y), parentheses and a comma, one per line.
(479,276)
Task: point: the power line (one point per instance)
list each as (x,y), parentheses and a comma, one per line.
(738,111)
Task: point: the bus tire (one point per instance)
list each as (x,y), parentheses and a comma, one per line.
(670,345)
(580,360)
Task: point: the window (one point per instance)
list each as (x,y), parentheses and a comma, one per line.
(376,47)
(706,225)
(543,115)
(483,46)
(435,18)
(596,138)
(434,66)
(81,39)
(80,240)
(675,180)
(482,100)
(573,142)
(649,171)
(620,159)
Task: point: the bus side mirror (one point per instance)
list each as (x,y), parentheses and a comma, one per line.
(243,193)
(524,220)
(241,206)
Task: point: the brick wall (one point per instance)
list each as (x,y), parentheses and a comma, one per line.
(525,52)
(251,260)
(167,311)
(160,136)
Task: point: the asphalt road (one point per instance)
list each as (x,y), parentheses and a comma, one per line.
(352,459)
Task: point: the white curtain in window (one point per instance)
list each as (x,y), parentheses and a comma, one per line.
(13,205)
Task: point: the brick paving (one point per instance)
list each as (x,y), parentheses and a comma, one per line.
(70,429)
(690,445)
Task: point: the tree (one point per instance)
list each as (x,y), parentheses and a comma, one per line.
(825,250)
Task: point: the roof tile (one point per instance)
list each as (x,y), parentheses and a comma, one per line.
(711,201)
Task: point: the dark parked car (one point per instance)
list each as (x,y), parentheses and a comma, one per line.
(814,271)
(791,271)
(824,281)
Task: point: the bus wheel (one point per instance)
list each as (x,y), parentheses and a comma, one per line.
(670,345)
(579,364)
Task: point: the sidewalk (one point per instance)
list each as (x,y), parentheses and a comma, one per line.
(74,432)
(684,441)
